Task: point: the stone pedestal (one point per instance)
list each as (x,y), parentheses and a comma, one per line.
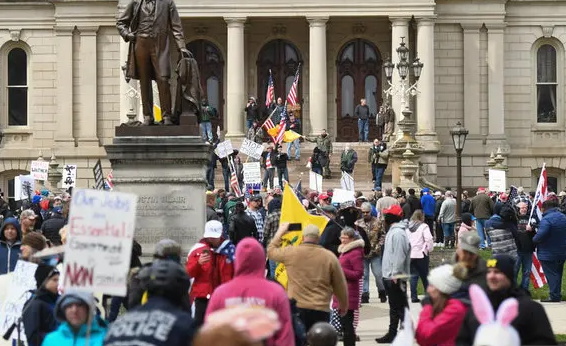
(168,175)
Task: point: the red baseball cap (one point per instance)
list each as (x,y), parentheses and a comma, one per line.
(323,196)
(395,209)
(503,196)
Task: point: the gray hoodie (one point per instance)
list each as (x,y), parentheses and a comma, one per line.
(397,251)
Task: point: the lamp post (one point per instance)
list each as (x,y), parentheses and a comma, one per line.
(459,134)
(404,89)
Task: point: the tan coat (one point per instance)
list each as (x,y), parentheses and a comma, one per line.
(314,274)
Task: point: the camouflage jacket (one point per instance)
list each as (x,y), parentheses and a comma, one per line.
(375,234)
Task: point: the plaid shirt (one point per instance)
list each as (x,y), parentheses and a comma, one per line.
(270,227)
(258,219)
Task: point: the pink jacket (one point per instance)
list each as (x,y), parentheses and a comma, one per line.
(420,239)
(443,329)
(464,229)
(250,288)
(352,263)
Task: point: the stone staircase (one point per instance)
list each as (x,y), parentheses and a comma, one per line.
(298,170)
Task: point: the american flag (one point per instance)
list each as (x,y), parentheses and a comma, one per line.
(109,182)
(234,184)
(292,97)
(537,275)
(268,124)
(513,194)
(270,96)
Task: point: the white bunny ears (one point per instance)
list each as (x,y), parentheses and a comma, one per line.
(494,330)
(407,334)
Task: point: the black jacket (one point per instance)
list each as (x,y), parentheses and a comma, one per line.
(171,325)
(241,225)
(524,238)
(415,203)
(136,253)
(532,323)
(330,239)
(50,228)
(39,319)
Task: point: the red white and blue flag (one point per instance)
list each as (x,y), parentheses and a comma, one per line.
(109,184)
(537,275)
(293,93)
(234,184)
(270,95)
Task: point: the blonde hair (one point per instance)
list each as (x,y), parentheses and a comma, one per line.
(63,235)
(418,215)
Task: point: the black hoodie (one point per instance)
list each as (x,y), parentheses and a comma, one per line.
(39,319)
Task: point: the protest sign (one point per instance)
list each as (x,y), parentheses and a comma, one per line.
(252,173)
(39,170)
(347,182)
(99,241)
(224,149)
(253,187)
(315,181)
(69,176)
(24,185)
(497,180)
(251,148)
(341,196)
(22,280)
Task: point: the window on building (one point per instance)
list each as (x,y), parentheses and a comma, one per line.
(17,87)
(546,84)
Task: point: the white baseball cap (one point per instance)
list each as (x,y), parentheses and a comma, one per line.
(213,229)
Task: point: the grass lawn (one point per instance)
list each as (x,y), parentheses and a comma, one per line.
(537,294)
(560,338)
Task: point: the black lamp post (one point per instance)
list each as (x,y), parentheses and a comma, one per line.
(459,134)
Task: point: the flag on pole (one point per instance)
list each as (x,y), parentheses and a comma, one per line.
(292,97)
(234,184)
(282,126)
(537,275)
(109,182)
(270,96)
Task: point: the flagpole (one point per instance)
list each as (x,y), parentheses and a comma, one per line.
(537,195)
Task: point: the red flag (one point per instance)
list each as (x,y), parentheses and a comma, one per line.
(537,275)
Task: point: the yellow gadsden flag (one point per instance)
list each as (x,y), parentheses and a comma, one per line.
(288,136)
(292,211)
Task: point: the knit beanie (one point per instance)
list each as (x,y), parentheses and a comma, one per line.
(35,240)
(506,264)
(447,278)
(467,219)
(43,273)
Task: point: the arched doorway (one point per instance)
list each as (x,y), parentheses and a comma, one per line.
(211,68)
(282,58)
(359,76)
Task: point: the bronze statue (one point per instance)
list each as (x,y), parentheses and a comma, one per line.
(146,25)
(189,90)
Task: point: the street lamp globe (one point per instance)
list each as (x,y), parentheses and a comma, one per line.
(403,51)
(459,134)
(417,68)
(403,68)
(388,67)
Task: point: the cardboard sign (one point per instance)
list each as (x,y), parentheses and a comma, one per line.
(39,170)
(99,241)
(497,180)
(252,173)
(341,196)
(252,149)
(24,186)
(98,177)
(69,176)
(224,149)
(347,182)
(22,280)
(315,181)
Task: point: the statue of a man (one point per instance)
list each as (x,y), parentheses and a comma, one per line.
(146,25)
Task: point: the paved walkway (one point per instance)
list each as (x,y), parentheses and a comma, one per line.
(374,318)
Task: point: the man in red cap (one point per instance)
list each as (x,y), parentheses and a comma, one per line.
(396,264)
(324,200)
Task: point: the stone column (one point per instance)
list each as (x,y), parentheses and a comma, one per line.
(318,107)
(472,77)
(425,100)
(235,95)
(88,113)
(496,82)
(399,28)
(64,135)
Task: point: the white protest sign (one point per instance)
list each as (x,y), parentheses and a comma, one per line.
(252,173)
(22,280)
(315,181)
(69,176)
(251,148)
(39,170)
(341,196)
(24,185)
(224,149)
(347,182)
(497,180)
(99,241)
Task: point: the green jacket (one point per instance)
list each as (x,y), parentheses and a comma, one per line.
(207,113)
(324,144)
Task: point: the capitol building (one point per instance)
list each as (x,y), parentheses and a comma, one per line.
(496,66)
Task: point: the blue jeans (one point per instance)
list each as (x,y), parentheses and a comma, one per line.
(480,224)
(378,173)
(375,264)
(226,174)
(272,267)
(206,131)
(363,129)
(115,304)
(448,230)
(282,174)
(553,271)
(250,123)
(297,144)
(419,269)
(524,260)
(317,170)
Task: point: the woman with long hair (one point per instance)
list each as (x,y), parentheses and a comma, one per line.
(421,241)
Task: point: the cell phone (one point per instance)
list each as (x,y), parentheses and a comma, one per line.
(295,227)
(205,252)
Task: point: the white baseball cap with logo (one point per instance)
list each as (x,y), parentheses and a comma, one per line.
(213,229)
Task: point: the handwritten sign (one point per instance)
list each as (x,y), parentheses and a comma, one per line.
(315,181)
(69,176)
(39,170)
(22,280)
(24,185)
(99,241)
(224,149)
(497,180)
(251,148)
(252,173)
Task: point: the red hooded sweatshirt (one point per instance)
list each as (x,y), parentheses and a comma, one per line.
(250,287)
